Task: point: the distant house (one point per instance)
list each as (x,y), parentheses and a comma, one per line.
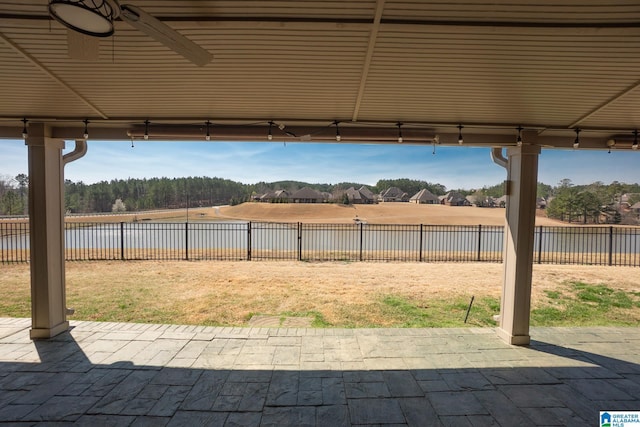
(353,196)
(424,196)
(360,196)
(541,203)
(394,194)
(279,196)
(481,201)
(326,196)
(307,195)
(625,200)
(635,208)
(501,202)
(453,198)
(367,194)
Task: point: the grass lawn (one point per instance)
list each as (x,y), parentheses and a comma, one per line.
(334,294)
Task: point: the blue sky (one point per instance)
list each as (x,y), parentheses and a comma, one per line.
(454,167)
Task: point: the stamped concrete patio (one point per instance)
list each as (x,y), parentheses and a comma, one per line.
(128,374)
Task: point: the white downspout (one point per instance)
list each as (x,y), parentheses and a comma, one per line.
(79,151)
(497,157)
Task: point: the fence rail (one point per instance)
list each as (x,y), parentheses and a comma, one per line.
(619,246)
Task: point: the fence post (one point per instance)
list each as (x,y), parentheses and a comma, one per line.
(540,245)
(186,241)
(121,241)
(610,245)
(361,241)
(299,241)
(249,241)
(421,237)
(479,241)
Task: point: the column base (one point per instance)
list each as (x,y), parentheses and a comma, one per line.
(513,339)
(44,333)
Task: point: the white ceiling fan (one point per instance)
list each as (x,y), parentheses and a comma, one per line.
(95,18)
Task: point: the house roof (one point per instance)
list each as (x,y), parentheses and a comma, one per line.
(626,196)
(424,195)
(277,194)
(501,199)
(454,196)
(307,193)
(268,195)
(636,205)
(353,194)
(366,63)
(366,192)
(392,192)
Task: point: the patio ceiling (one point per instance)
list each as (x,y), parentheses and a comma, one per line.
(491,66)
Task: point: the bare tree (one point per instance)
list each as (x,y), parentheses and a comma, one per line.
(119,206)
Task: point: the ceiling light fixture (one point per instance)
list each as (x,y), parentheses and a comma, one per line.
(270,135)
(86,129)
(377,132)
(208,135)
(611,143)
(519,139)
(91,17)
(25,134)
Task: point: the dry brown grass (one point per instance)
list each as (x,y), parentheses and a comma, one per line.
(383,213)
(171,215)
(228,293)
(342,294)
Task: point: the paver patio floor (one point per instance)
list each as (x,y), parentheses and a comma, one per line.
(126,374)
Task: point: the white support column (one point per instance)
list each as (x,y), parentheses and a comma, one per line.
(515,307)
(46,237)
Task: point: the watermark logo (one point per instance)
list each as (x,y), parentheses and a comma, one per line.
(619,418)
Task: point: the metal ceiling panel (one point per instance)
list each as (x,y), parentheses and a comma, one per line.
(495,75)
(496,65)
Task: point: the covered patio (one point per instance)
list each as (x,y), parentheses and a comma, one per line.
(500,75)
(492,74)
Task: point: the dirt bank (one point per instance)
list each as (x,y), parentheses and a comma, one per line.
(383,213)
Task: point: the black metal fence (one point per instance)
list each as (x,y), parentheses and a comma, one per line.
(594,245)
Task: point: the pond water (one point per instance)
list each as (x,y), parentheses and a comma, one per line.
(240,236)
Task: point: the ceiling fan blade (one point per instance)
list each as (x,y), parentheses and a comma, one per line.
(166,35)
(82,47)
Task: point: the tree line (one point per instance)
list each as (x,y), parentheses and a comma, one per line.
(592,203)
(595,203)
(170,193)
(14,194)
